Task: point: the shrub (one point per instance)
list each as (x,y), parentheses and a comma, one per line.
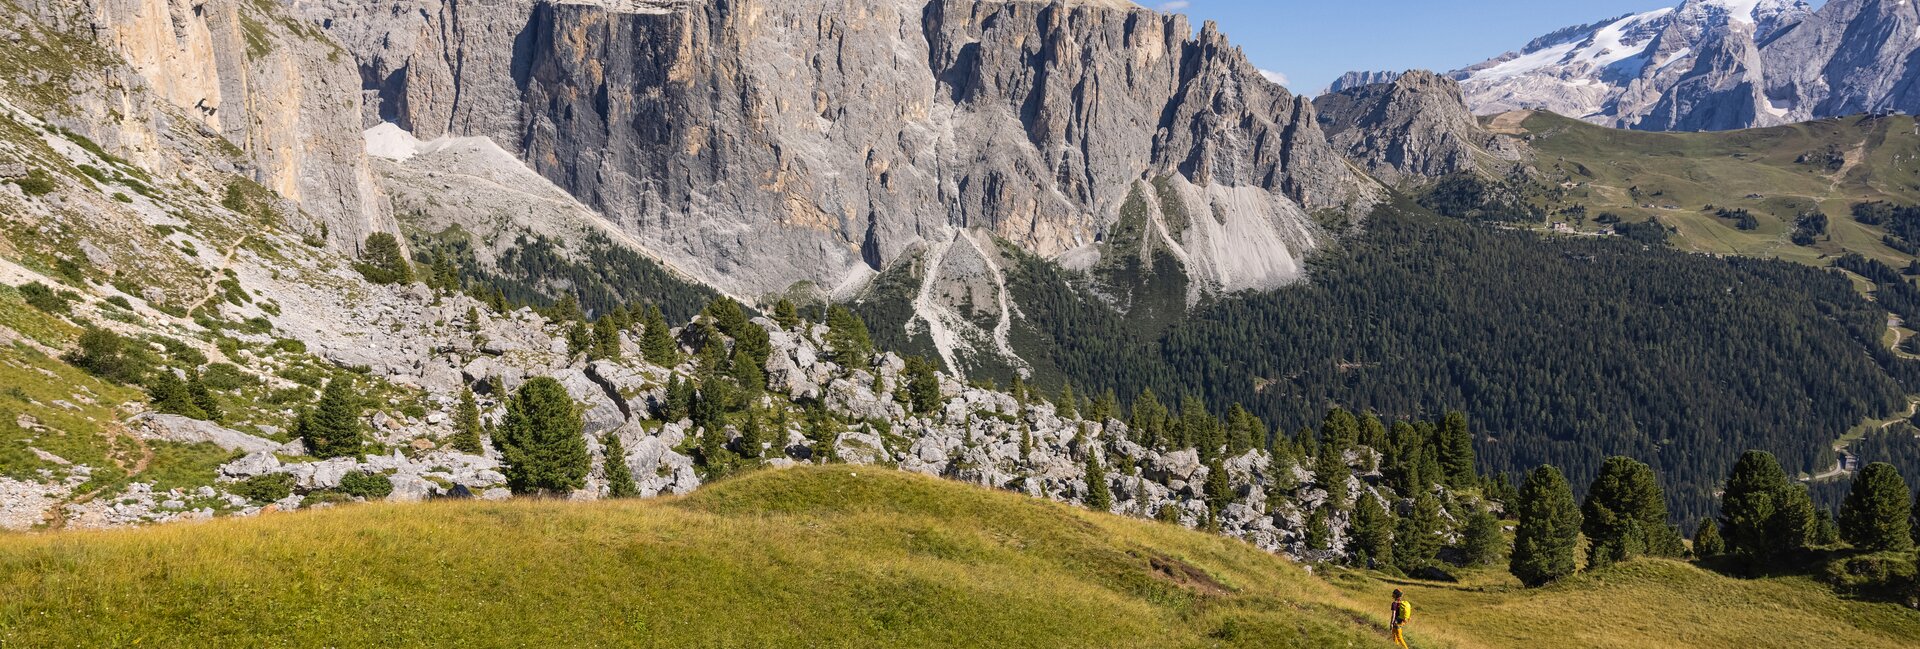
(37,183)
(227,376)
(267,488)
(1886,575)
(371,486)
(41,297)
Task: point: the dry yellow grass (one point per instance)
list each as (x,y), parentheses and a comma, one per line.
(825,557)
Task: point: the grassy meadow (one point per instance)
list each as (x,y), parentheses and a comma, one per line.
(828,557)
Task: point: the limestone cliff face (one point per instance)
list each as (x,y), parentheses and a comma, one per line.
(769,142)
(271,85)
(1413,128)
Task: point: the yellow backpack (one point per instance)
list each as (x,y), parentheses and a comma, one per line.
(1405,610)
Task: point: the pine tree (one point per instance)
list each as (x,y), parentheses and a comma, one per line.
(1456,452)
(170,396)
(620,482)
(466,425)
(1319,531)
(656,340)
(824,433)
(1373,434)
(1481,544)
(1330,471)
(786,314)
(1067,405)
(1149,421)
(713,452)
(679,403)
(1106,407)
(473,319)
(923,386)
(1763,515)
(1826,531)
(332,429)
(1416,539)
(1549,529)
(1372,532)
(1242,430)
(1340,430)
(1099,495)
(753,439)
(1218,491)
(540,440)
(847,338)
(748,374)
(382,262)
(579,339)
(1877,515)
(709,404)
(1707,543)
(1201,429)
(1625,514)
(606,339)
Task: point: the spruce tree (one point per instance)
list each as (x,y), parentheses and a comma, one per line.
(1549,529)
(620,482)
(1218,490)
(753,439)
(747,373)
(606,339)
(1373,434)
(679,403)
(1149,421)
(1201,429)
(579,339)
(1330,471)
(466,425)
(332,429)
(540,440)
(1625,514)
(1106,407)
(1797,522)
(1878,513)
(1707,543)
(786,314)
(1372,532)
(656,340)
(1482,544)
(1340,429)
(1242,429)
(170,396)
(1067,405)
(1099,495)
(709,404)
(1416,539)
(923,386)
(1319,530)
(1456,452)
(847,338)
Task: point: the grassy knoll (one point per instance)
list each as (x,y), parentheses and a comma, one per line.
(809,557)
(825,557)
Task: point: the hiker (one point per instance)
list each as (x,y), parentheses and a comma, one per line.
(1402,613)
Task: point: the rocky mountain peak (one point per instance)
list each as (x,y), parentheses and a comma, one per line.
(1713,65)
(1414,128)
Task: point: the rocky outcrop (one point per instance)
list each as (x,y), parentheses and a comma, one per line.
(763,143)
(1714,65)
(1414,128)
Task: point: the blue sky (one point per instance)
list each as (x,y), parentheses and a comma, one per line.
(1312,42)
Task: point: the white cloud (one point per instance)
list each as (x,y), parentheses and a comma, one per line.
(1175,5)
(1275,77)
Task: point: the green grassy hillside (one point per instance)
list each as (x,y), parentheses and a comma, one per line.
(828,556)
(1775,173)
